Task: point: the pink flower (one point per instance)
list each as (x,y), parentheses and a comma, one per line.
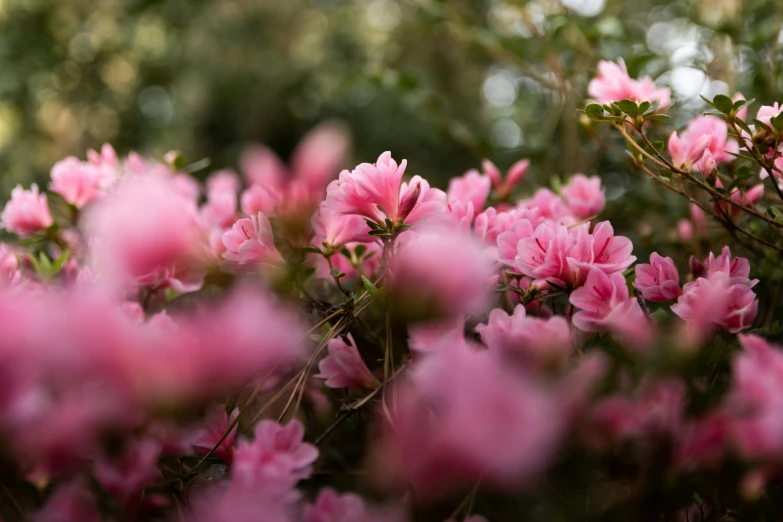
(26,212)
(491,223)
(658,281)
(544,254)
(439,271)
(216,423)
(601,249)
(78,183)
(250,243)
(344,367)
(127,243)
(508,240)
(737,268)
(717,129)
(514,176)
(467,415)
(126,476)
(756,400)
(545,205)
(375,191)
(767,112)
(613,84)
(331,506)
(424,338)
(584,196)
(605,305)
(685,153)
(277,449)
(717,301)
(333,230)
(471,187)
(748,198)
(220,211)
(542,343)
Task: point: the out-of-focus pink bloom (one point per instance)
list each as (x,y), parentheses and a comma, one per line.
(276,448)
(77,182)
(250,243)
(613,84)
(375,190)
(424,338)
(70,502)
(767,112)
(27,212)
(260,198)
(719,145)
(440,271)
(545,205)
(605,305)
(717,301)
(491,223)
(125,476)
(685,230)
(471,187)
(127,243)
(216,423)
(107,157)
(462,214)
(9,273)
(743,112)
(699,219)
(513,177)
(685,153)
(655,410)
(756,399)
(502,426)
(749,198)
(541,343)
(584,196)
(344,367)
(320,154)
(330,506)
(228,503)
(658,281)
(181,277)
(333,230)
(220,210)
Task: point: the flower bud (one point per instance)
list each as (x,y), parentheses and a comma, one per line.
(409,200)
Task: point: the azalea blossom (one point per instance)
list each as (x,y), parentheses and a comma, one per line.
(27,212)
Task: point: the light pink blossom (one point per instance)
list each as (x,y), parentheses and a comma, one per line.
(77,182)
(584,196)
(717,301)
(514,176)
(126,476)
(334,230)
(343,367)
(471,187)
(685,153)
(717,129)
(27,212)
(612,84)
(658,281)
(250,243)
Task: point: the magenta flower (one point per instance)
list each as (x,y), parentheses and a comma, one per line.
(536,342)
(658,281)
(27,212)
(344,367)
(544,254)
(605,305)
(69,502)
(216,423)
(584,196)
(277,449)
(250,243)
(601,249)
(737,268)
(330,506)
(471,187)
(508,240)
(376,191)
(613,84)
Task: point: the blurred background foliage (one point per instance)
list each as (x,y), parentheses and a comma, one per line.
(442,83)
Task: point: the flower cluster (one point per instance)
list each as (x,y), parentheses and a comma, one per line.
(233,350)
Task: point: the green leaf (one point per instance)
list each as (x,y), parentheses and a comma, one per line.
(762,125)
(657,117)
(594,111)
(372,224)
(723,103)
(60,262)
(652,108)
(371,288)
(707,101)
(312,250)
(742,125)
(644,106)
(629,107)
(777,122)
(776,214)
(659,146)
(360,250)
